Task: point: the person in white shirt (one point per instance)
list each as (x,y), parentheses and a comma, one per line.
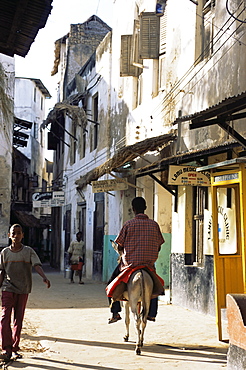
(76,253)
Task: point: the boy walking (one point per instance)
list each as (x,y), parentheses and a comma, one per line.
(16,263)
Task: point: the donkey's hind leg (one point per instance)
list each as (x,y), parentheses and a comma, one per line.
(136,311)
(127,320)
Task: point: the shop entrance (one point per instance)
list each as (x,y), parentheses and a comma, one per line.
(228,180)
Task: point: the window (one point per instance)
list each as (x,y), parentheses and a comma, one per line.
(41,103)
(95,127)
(44,185)
(83,144)
(34,94)
(204,30)
(35,130)
(142,44)
(163,34)
(42,138)
(129,52)
(74,143)
(200,196)
(149,36)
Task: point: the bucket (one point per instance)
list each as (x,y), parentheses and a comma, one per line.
(67,273)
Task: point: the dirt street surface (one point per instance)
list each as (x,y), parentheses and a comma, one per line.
(66,327)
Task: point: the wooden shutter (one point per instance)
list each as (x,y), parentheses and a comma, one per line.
(135,47)
(149,36)
(163,33)
(126,67)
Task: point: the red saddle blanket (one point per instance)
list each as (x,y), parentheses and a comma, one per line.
(117,287)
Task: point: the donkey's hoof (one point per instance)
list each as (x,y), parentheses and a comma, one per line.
(138,351)
(126,337)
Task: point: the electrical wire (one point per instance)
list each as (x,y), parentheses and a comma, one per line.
(213,42)
(205,64)
(232,15)
(97,6)
(207,70)
(197,60)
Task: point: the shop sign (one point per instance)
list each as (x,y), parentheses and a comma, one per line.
(187,175)
(48,199)
(227,177)
(108,185)
(227,230)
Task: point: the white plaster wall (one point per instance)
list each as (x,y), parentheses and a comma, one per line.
(163,208)
(28,109)
(123,20)
(6,139)
(182,222)
(92,159)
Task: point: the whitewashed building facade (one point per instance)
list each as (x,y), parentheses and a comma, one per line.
(6,140)
(161,90)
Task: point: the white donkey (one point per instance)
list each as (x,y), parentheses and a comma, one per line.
(139,292)
(138,295)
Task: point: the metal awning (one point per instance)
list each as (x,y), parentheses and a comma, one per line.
(182,158)
(21,123)
(232,163)
(230,109)
(20,138)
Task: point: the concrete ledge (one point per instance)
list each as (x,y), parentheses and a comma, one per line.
(236,314)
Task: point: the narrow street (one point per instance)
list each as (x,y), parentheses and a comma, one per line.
(66,328)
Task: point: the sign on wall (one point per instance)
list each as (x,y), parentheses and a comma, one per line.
(187,175)
(48,199)
(108,185)
(227,224)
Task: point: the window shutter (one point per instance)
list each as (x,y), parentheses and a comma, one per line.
(126,67)
(149,36)
(163,33)
(135,47)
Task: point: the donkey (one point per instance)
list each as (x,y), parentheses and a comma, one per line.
(138,295)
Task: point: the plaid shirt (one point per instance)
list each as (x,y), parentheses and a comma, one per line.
(141,240)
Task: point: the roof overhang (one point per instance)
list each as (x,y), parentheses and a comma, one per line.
(125,155)
(20,21)
(26,219)
(184,158)
(231,164)
(41,87)
(228,110)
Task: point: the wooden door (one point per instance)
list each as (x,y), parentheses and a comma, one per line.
(228,262)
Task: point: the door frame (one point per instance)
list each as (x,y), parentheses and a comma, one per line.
(228,174)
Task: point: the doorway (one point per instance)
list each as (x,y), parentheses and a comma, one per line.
(98,236)
(229,221)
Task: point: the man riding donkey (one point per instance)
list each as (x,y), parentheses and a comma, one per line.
(139,243)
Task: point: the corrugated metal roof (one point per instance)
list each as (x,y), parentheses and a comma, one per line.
(20,21)
(227,106)
(183,158)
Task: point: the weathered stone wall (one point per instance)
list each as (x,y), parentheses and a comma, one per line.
(83,41)
(6,138)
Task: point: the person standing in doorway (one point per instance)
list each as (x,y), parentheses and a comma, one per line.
(76,253)
(16,263)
